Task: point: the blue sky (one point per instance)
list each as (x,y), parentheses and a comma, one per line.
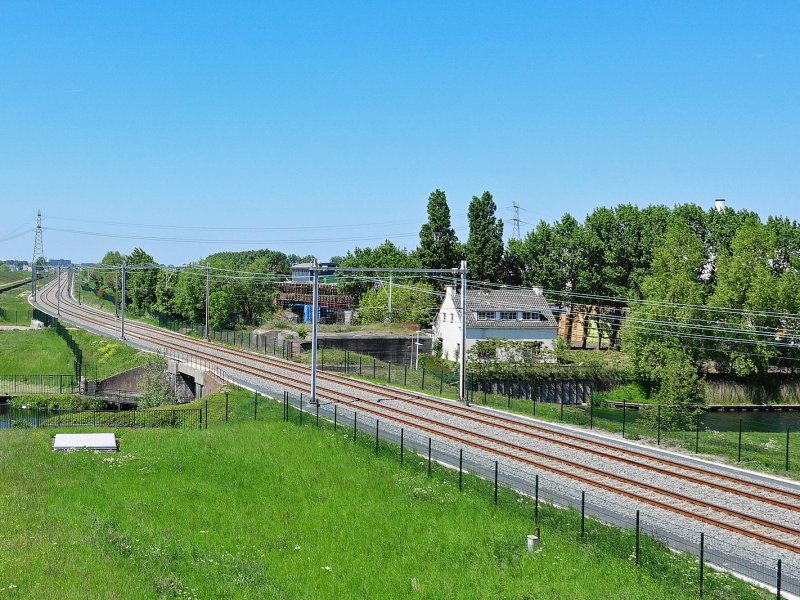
(315,127)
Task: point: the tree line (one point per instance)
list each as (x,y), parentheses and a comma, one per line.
(656,281)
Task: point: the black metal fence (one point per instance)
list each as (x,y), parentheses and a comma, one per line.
(179,418)
(15,316)
(63,333)
(39,384)
(647,531)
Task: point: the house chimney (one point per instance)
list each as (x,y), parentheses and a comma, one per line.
(719,204)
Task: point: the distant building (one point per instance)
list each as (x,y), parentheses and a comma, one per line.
(520,315)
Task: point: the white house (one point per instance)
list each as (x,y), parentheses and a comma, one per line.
(511,314)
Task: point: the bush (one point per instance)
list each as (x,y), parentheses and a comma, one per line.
(62,401)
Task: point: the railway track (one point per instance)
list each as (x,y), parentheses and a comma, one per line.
(523,443)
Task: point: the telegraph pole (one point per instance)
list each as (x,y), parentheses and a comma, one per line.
(208,293)
(462,357)
(123,300)
(314,326)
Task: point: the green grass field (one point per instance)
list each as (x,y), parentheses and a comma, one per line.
(34,352)
(269,509)
(15,306)
(7,277)
(42,351)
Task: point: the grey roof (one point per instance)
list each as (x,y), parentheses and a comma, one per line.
(506,299)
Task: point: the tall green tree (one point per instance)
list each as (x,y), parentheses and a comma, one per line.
(141,281)
(485,246)
(385,255)
(438,244)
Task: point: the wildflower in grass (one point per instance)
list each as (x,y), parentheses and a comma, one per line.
(327,568)
(297,547)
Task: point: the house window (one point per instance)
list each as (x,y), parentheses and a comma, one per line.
(451,317)
(485,315)
(531,316)
(508,315)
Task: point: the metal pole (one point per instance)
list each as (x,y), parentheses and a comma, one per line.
(787,448)
(702,560)
(116,293)
(739,457)
(583,517)
(460,469)
(123,301)
(390,297)
(637,537)
(462,367)
(314,324)
(58,293)
(208,293)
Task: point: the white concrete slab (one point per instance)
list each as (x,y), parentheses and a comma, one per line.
(88,441)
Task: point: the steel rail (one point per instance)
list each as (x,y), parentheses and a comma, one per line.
(291,383)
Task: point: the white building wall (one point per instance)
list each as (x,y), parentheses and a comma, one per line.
(448,328)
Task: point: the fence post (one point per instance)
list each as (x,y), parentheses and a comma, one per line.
(405,374)
(373,367)
(226,407)
(377,435)
(508,391)
(335,416)
(355,428)
(496,471)
(739,457)
(637,537)
(583,517)
(697,435)
(658,426)
(536,501)
(359,365)
(322,366)
(429,457)
(441,383)
(591,412)
(778,581)
(206,413)
(624,416)
(702,560)
(562,408)
(423,379)
(317,414)
(401,446)
(255,406)
(390,372)
(301,408)
(534,404)
(460,469)
(200,418)
(787,448)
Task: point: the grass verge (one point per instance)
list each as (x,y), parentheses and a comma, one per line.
(268,509)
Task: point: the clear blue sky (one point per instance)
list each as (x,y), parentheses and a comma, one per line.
(342,117)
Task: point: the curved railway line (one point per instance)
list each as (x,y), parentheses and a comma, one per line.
(508,439)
